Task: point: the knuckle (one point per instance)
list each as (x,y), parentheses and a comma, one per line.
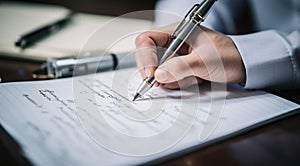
(142,38)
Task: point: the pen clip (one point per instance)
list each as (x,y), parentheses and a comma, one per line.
(183,21)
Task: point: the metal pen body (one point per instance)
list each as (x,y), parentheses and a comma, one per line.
(148,83)
(196,15)
(178,41)
(66,67)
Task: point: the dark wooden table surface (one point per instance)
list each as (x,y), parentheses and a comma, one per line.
(277,143)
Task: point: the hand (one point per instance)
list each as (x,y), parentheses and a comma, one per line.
(206,55)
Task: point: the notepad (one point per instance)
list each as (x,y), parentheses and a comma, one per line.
(91,120)
(86,33)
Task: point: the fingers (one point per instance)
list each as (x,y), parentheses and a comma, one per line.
(184,83)
(146,61)
(219,61)
(178,68)
(147,45)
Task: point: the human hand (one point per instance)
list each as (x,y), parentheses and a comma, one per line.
(208,55)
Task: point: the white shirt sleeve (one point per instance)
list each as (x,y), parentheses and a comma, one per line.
(271,59)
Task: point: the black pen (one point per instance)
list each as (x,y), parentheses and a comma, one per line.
(31,37)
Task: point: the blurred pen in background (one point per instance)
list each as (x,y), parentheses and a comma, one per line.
(73,66)
(32,37)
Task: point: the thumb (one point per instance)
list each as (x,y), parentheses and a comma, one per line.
(175,69)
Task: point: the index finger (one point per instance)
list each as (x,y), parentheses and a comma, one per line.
(147,45)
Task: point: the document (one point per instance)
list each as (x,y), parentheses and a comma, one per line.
(91,120)
(84,34)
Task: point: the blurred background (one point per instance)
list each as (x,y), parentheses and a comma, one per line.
(105,7)
(12,69)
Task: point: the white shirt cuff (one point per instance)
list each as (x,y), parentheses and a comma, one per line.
(267,59)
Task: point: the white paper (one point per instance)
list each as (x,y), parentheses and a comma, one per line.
(91,120)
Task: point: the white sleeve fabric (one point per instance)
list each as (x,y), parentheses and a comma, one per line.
(271,59)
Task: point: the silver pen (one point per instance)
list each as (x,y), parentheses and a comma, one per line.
(197,14)
(73,66)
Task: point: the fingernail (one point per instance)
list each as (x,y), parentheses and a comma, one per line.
(161,75)
(147,71)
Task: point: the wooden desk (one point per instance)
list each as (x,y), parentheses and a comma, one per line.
(277,143)
(17,70)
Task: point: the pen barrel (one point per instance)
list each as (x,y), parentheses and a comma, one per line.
(146,85)
(197,15)
(67,67)
(178,41)
(38,34)
(203,10)
(185,28)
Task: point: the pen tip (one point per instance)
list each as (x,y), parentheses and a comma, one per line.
(136,96)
